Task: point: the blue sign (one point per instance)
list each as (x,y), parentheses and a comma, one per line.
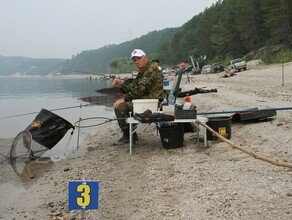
(83,195)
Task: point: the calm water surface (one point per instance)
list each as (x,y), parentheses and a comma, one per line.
(25,95)
(21,99)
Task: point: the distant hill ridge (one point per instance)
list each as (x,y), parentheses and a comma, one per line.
(29,66)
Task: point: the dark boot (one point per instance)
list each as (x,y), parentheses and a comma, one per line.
(126,136)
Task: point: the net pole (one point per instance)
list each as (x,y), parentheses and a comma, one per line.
(79,126)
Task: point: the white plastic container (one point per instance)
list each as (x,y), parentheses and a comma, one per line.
(141,105)
(168,109)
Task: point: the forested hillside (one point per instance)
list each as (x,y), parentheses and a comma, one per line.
(226,30)
(100,60)
(234,28)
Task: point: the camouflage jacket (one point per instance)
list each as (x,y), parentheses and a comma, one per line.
(147,85)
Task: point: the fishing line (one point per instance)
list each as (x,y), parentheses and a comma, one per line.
(57,109)
(80,71)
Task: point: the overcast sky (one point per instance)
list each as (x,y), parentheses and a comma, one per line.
(61,28)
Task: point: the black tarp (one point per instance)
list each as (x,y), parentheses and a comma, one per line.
(195,91)
(48,129)
(253,115)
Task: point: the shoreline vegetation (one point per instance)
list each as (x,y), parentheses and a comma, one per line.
(192,182)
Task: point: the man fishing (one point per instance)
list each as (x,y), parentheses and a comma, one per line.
(156,62)
(147,85)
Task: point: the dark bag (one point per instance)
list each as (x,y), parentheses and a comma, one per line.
(48,129)
(149,117)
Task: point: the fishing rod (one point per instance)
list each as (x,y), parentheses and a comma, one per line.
(80,71)
(245,110)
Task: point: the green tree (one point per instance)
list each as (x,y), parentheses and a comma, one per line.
(203,33)
(225,36)
(250,24)
(278,20)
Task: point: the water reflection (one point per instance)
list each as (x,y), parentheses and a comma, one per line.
(17,177)
(15,87)
(21,170)
(31,169)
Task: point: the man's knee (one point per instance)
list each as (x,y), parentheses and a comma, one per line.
(124,108)
(120,110)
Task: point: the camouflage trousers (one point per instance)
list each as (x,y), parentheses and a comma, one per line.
(122,113)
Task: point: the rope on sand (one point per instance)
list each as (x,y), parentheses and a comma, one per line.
(233,145)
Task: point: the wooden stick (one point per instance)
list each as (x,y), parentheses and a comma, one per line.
(233,145)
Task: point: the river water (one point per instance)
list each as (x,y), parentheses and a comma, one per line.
(21,99)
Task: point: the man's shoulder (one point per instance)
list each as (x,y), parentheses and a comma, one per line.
(151,67)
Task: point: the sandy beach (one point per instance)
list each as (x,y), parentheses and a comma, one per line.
(192,182)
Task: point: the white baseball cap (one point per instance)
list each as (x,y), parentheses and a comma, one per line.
(137,53)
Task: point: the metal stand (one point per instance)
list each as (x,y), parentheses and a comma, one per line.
(131,134)
(132,121)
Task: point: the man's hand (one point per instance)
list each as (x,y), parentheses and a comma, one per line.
(117,82)
(118,102)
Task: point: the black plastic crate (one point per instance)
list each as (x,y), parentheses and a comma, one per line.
(185,114)
(172,136)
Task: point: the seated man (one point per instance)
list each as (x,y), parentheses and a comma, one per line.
(147,85)
(156,62)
